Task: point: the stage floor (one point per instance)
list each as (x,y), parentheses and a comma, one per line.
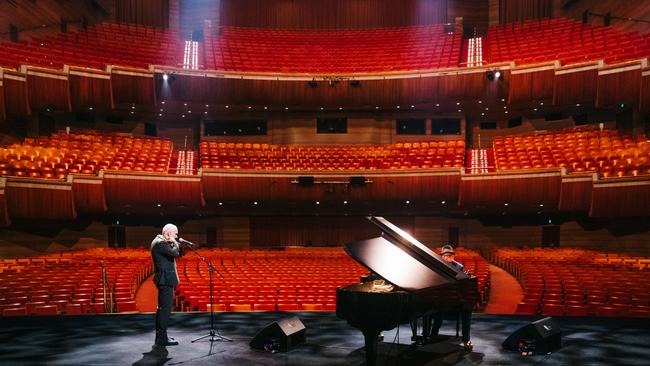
(127,339)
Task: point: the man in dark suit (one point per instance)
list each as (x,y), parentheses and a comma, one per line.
(164,251)
(449,255)
(431,323)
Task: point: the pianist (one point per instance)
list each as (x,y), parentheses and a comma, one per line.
(448,254)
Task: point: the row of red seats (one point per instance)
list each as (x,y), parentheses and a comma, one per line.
(62,153)
(576,282)
(567,40)
(409,155)
(332,51)
(297,279)
(96,47)
(71,283)
(577,150)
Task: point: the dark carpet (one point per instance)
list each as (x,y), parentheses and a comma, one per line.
(127,340)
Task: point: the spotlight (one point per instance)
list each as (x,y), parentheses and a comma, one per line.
(490,75)
(497,74)
(165,77)
(312,83)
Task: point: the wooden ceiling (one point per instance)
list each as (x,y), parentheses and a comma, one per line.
(32,14)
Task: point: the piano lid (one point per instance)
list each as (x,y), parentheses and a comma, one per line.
(402,260)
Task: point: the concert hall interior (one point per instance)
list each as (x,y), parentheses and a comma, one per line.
(319,176)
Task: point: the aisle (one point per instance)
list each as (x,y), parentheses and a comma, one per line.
(146,299)
(505,292)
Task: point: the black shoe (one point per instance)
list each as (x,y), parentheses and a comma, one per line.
(468,346)
(167,342)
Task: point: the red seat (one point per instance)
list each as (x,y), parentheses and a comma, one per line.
(288,307)
(126,306)
(46,310)
(74,309)
(239,307)
(527,308)
(17,311)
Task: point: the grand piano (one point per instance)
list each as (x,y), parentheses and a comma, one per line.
(418,282)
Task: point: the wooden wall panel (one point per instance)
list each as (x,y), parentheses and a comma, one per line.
(333,13)
(15,94)
(3,114)
(146,12)
(644,102)
(384,187)
(531,84)
(90,89)
(88,193)
(575,193)
(132,86)
(619,84)
(147,190)
(39,199)
(475,14)
(620,198)
(48,89)
(5,220)
(518,10)
(453,85)
(319,231)
(518,189)
(575,84)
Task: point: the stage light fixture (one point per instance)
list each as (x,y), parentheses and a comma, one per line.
(497,74)
(165,77)
(490,75)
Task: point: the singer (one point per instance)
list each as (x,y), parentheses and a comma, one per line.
(164,251)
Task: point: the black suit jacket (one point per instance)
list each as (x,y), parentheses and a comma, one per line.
(164,254)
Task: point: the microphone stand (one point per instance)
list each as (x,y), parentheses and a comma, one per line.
(214,333)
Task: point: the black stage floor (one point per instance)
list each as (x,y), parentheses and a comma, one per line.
(127,340)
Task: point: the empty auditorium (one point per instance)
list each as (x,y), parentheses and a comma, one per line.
(324,182)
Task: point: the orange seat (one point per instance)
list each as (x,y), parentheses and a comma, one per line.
(240,307)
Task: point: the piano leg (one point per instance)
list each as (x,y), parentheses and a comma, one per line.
(371,339)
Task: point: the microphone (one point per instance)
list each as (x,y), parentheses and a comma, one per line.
(188,243)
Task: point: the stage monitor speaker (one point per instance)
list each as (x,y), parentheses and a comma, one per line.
(357,181)
(280,336)
(453,236)
(116,236)
(306,181)
(550,236)
(539,337)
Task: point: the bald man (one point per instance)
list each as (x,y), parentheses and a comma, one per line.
(164,251)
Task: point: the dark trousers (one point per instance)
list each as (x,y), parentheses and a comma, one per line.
(465,320)
(164,310)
